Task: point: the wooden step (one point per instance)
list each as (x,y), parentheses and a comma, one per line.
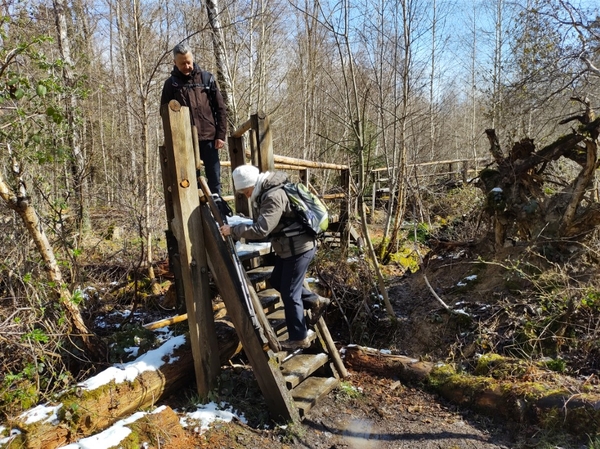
(276,318)
(259,274)
(269,298)
(312,335)
(309,392)
(299,367)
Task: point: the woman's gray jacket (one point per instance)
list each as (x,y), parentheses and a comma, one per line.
(272,213)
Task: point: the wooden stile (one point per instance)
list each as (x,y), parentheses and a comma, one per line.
(188,230)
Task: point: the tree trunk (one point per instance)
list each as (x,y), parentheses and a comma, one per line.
(546,403)
(78,164)
(223,75)
(85,412)
(20,204)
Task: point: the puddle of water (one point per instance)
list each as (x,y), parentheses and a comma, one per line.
(358,435)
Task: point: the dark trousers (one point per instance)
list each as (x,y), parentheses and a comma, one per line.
(288,278)
(212,165)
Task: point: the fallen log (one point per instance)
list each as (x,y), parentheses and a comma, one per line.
(115,393)
(503,388)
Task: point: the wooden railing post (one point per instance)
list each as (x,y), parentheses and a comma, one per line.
(237,156)
(187,229)
(345,209)
(265,142)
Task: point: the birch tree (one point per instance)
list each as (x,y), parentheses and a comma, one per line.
(79,162)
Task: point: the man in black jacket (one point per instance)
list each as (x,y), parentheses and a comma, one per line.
(198,90)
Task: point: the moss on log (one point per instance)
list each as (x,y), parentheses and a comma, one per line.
(503,388)
(83,412)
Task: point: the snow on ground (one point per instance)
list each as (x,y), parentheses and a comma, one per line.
(111,436)
(200,419)
(207,414)
(150,361)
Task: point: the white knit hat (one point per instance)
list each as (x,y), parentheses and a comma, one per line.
(245,176)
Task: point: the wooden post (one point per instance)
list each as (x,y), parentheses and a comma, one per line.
(345,209)
(172,248)
(187,228)
(265,142)
(303,173)
(237,156)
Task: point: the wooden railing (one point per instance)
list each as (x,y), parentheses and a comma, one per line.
(257,131)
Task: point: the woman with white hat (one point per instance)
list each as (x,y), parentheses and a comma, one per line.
(294,248)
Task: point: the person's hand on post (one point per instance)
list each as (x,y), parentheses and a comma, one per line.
(219,144)
(226,230)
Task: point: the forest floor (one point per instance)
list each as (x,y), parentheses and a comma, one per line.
(375,411)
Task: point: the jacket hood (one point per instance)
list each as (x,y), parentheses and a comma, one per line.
(274,179)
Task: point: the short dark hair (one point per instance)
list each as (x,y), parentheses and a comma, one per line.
(181,48)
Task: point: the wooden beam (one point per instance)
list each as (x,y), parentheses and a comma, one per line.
(237,157)
(262,125)
(188,230)
(242,129)
(172,247)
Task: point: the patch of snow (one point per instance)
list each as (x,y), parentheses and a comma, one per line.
(41,412)
(496,189)
(207,414)
(471,278)
(150,361)
(461,312)
(109,437)
(386,351)
(163,334)
(133,350)
(13,433)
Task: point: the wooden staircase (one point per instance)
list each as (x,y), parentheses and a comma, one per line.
(302,377)
(309,374)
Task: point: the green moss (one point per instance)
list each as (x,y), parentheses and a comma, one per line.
(500,367)
(407,258)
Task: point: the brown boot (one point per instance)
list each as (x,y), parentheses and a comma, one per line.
(292,345)
(317,310)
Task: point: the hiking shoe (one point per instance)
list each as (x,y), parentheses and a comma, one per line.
(292,345)
(317,310)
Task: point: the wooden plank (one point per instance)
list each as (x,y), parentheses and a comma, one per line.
(309,392)
(329,345)
(259,274)
(268,376)
(172,248)
(239,132)
(268,298)
(237,158)
(299,367)
(188,230)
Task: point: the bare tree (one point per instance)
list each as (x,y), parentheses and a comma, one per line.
(79,163)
